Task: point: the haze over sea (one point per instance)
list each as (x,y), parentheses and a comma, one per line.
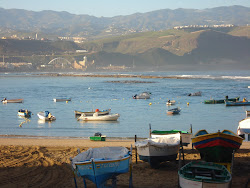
(90,93)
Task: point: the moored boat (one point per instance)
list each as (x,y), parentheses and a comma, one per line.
(61,99)
(157,150)
(237,103)
(244,127)
(100,164)
(46,116)
(90,113)
(5,100)
(169,102)
(144,95)
(221,101)
(216,147)
(195,94)
(96,117)
(203,174)
(185,136)
(24,113)
(173,111)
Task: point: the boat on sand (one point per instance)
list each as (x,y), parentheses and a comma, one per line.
(243,129)
(100,164)
(199,174)
(160,149)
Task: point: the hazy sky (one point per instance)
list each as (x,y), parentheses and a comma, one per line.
(110,8)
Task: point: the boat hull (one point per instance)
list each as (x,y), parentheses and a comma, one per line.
(12,101)
(24,113)
(239,103)
(217,147)
(221,101)
(61,100)
(111,117)
(200,174)
(44,118)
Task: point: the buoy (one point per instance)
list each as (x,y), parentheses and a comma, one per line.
(67,101)
(97,110)
(188,103)
(150,103)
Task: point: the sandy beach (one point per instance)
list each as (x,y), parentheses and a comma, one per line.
(45,162)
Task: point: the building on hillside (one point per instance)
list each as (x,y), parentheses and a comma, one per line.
(84,64)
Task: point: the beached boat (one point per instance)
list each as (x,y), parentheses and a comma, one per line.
(100,112)
(61,99)
(221,101)
(96,117)
(243,129)
(185,136)
(216,147)
(98,137)
(237,103)
(4,101)
(46,116)
(173,111)
(201,174)
(144,95)
(157,150)
(24,113)
(195,94)
(100,164)
(169,103)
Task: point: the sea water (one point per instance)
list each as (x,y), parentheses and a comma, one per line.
(90,93)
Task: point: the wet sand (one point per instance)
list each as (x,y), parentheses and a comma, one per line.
(45,162)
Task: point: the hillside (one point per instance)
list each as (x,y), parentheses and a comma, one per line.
(51,23)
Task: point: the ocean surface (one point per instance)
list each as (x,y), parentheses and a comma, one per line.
(90,93)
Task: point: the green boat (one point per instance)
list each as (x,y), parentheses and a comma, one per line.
(98,137)
(222,101)
(199,174)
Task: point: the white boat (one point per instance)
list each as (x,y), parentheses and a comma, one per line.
(243,129)
(169,103)
(4,101)
(90,113)
(144,95)
(185,136)
(195,94)
(96,117)
(201,174)
(46,116)
(100,164)
(157,150)
(61,99)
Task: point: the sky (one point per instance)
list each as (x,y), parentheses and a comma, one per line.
(110,8)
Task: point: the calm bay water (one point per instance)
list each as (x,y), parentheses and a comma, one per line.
(135,115)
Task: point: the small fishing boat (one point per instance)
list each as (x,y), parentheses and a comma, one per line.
(174,111)
(61,99)
(221,101)
(24,113)
(96,117)
(195,94)
(237,103)
(5,100)
(98,137)
(169,103)
(216,147)
(100,112)
(199,174)
(185,136)
(46,116)
(244,127)
(160,149)
(100,164)
(144,95)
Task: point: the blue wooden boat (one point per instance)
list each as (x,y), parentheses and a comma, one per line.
(237,103)
(100,164)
